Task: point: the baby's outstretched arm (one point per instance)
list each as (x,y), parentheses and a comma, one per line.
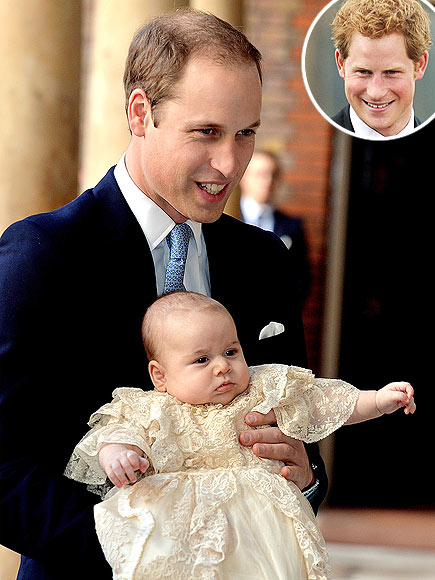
(372,404)
(120,461)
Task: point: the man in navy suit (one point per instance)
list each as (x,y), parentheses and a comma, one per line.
(381,51)
(257,188)
(74,284)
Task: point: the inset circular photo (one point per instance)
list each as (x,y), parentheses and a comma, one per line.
(367,67)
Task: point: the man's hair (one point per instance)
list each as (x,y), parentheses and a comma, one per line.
(377,18)
(273,156)
(174,302)
(161,49)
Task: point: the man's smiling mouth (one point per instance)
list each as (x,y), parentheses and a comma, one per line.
(378,106)
(212,188)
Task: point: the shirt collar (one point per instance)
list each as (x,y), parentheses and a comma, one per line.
(155,223)
(252,210)
(366,132)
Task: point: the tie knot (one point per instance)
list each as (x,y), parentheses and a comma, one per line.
(178,241)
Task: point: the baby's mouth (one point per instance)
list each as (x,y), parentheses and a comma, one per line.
(224,387)
(378,106)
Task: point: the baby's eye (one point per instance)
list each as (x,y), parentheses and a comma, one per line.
(231,352)
(202,360)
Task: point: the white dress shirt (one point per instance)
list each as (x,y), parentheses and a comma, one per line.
(257,214)
(156,225)
(366,132)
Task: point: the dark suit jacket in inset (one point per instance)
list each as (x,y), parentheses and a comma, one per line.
(74,285)
(342,118)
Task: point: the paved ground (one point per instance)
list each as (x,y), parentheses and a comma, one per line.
(380,544)
(355,562)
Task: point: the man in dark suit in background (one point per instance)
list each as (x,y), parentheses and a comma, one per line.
(74,284)
(381,51)
(258,187)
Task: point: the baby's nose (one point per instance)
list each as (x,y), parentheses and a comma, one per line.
(222,365)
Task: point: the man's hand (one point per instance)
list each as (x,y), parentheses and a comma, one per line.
(271,443)
(120,461)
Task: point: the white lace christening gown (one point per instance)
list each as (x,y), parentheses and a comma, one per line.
(209,508)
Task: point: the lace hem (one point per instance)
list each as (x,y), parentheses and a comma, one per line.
(194,535)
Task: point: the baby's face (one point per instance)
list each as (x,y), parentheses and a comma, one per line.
(202,359)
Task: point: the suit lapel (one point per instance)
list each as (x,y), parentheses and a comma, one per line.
(215,236)
(124,241)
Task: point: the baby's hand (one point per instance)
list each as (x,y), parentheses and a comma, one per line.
(394,396)
(120,461)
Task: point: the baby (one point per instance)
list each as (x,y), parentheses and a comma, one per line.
(207,506)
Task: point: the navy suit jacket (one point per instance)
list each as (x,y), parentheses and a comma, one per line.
(74,285)
(293,228)
(342,118)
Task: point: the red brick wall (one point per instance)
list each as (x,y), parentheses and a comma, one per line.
(297,133)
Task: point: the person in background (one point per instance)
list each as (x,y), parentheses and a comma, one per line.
(257,188)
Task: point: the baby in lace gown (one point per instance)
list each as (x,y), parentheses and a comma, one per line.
(207,507)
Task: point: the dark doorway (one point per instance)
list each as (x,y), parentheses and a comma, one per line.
(387,323)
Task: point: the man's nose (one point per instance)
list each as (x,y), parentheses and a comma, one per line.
(225,159)
(376,88)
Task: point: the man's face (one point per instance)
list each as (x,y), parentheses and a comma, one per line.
(379,81)
(196,155)
(259,179)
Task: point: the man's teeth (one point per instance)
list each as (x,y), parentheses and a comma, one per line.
(212,188)
(373,106)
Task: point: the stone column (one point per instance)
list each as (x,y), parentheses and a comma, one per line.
(229,10)
(39,108)
(39,111)
(232,12)
(105,133)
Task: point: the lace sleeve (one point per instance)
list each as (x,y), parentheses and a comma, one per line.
(115,422)
(306,408)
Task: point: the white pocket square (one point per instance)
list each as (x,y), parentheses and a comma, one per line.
(272,329)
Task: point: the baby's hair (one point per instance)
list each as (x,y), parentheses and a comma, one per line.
(165,306)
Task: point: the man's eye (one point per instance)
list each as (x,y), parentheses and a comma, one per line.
(206,131)
(246,132)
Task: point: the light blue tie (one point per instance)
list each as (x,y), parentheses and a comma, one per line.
(178,242)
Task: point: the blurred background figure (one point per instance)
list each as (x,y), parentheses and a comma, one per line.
(257,208)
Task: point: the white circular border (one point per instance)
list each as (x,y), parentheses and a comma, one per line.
(318,107)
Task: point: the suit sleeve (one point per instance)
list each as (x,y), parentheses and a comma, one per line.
(281,293)
(43,515)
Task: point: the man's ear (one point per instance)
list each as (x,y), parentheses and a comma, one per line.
(138,112)
(340,64)
(158,376)
(421,65)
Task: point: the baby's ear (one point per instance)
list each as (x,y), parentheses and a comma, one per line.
(158,376)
